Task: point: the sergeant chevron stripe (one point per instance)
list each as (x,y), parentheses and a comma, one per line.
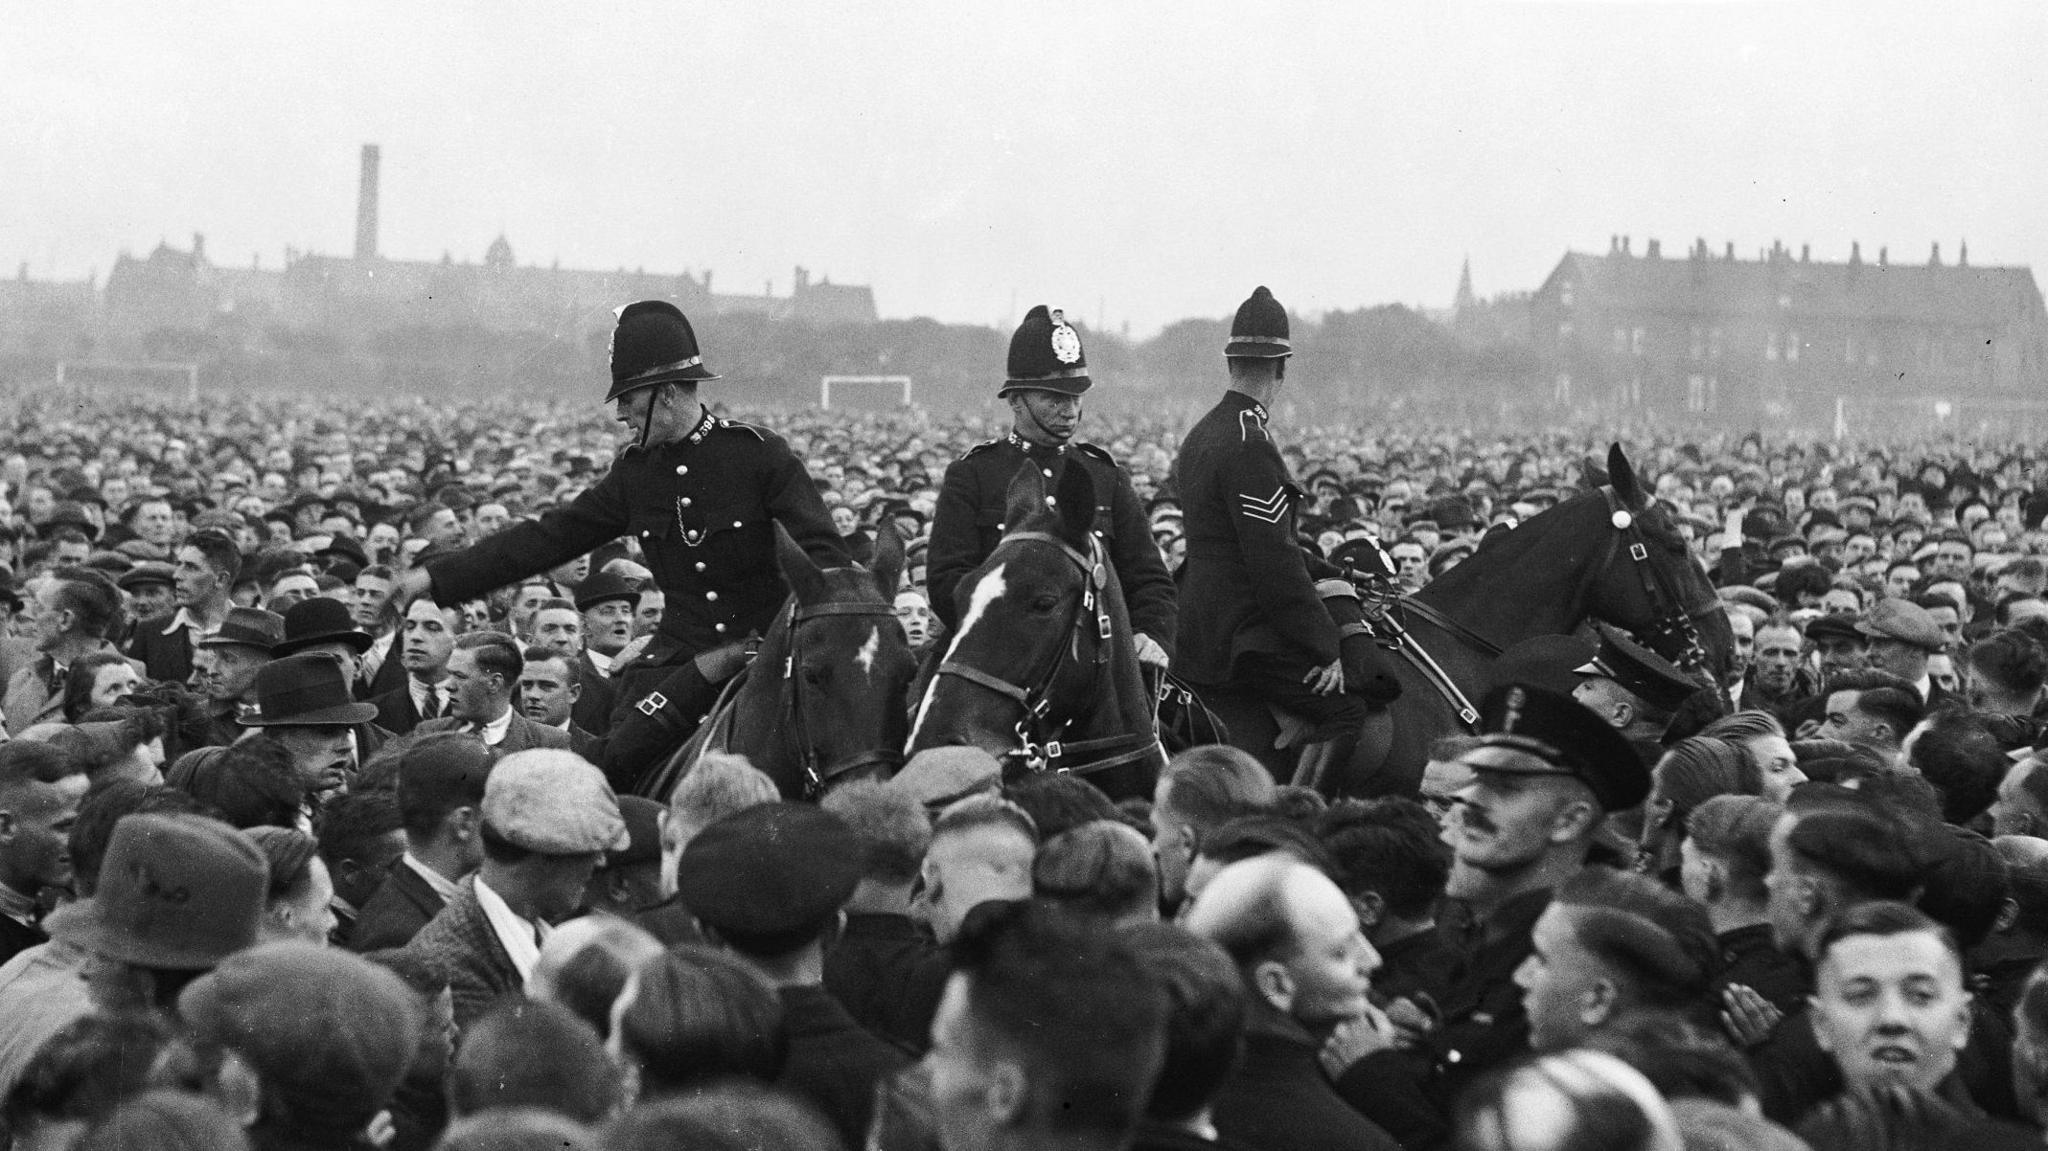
(1269,509)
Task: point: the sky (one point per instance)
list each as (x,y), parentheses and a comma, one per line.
(1132,162)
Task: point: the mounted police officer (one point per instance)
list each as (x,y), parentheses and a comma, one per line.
(1048,372)
(1255,628)
(700,494)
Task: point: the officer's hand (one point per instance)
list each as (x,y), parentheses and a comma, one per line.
(1412,1022)
(411,585)
(1149,651)
(1326,680)
(1354,1039)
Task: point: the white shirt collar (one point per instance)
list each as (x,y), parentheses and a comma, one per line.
(184,618)
(520,937)
(600,661)
(420,690)
(494,732)
(443,886)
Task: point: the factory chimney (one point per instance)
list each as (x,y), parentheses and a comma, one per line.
(366,206)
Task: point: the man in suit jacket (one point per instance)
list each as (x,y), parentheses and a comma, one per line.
(483,675)
(424,643)
(440,803)
(207,564)
(548,817)
(73,612)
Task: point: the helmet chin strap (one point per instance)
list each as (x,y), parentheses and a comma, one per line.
(1040,424)
(647,421)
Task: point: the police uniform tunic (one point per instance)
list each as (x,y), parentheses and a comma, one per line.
(969,523)
(1246,583)
(703,508)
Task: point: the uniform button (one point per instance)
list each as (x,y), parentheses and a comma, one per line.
(644,533)
(1048,472)
(692,535)
(737,523)
(682,469)
(685,501)
(719,628)
(1098,533)
(712,596)
(700,565)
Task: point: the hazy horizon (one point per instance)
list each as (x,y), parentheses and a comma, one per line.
(1138,163)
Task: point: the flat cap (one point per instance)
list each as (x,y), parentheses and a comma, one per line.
(553,802)
(938,776)
(1905,620)
(1836,627)
(1647,675)
(775,870)
(1528,730)
(147,572)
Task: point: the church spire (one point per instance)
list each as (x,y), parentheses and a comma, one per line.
(1466,299)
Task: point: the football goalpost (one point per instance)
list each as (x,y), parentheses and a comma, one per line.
(864,393)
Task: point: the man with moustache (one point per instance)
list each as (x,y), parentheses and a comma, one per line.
(701,494)
(1545,773)
(1048,373)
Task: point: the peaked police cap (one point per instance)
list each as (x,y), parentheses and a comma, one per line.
(1259,331)
(653,344)
(1046,355)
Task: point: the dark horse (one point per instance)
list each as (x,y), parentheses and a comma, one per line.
(1041,672)
(822,702)
(1607,553)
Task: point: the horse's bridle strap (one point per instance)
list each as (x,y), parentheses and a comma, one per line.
(1002,687)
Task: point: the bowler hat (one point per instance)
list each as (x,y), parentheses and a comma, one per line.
(320,620)
(248,627)
(776,871)
(305,690)
(654,344)
(1903,620)
(603,587)
(344,546)
(1529,730)
(1259,330)
(1046,355)
(181,892)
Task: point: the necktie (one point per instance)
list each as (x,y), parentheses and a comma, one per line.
(432,710)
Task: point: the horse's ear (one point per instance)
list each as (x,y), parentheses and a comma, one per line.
(1622,475)
(1026,497)
(888,565)
(805,578)
(1591,474)
(1076,503)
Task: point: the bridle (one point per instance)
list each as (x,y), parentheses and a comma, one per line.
(815,775)
(1039,745)
(1674,621)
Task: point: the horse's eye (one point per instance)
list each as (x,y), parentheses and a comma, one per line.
(1045,603)
(814,676)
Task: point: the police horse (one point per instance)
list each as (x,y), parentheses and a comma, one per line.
(822,702)
(1041,671)
(1608,553)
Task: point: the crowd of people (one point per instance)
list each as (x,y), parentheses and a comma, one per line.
(295,856)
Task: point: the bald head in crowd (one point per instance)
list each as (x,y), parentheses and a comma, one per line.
(1295,938)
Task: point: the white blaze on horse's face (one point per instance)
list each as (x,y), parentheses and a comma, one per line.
(865,657)
(987,590)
